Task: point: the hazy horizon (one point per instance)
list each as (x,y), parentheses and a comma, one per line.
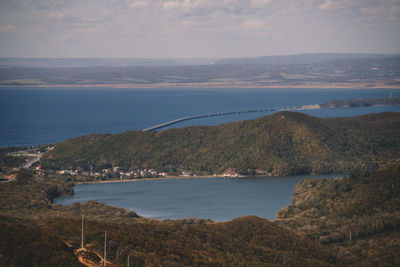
(197,58)
(196,29)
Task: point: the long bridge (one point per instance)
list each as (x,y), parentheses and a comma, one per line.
(168,123)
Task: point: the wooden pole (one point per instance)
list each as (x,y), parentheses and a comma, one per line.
(105,247)
(82,234)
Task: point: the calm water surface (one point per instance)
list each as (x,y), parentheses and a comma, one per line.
(218,199)
(31,116)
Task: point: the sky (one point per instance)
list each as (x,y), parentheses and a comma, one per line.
(196,28)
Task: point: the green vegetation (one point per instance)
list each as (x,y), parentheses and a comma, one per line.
(353,221)
(285,143)
(350,221)
(366,102)
(35,232)
(14,157)
(31,196)
(360,215)
(247,241)
(8,161)
(28,243)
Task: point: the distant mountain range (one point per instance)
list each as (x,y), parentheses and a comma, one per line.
(99,62)
(307,70)
(303,58)
(157,62)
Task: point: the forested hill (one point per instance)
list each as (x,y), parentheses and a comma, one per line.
(359,214)
(366,102)
(281,144)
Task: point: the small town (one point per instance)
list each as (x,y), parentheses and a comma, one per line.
(31,160)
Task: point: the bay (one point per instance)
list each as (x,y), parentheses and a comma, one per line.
(219,199)
(32,116)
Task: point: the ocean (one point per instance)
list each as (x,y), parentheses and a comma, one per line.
(32,116)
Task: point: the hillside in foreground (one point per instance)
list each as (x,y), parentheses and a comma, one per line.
(36,232)
(248,241)
(284,143)
(351,221)
(359,214)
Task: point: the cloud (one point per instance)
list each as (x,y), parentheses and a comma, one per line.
(259,3)
(56,15)
(88,30)
(254,24)
(192,25)
(138,4)
(359,10)
(202,7)
(35,4)
(394,13)
(7,28)
(326,5)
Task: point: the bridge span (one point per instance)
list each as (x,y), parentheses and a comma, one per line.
(168,123)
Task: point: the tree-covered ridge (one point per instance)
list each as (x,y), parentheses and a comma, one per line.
(359,214)
(350,221)
(30,196)
(247,241)
(281,144)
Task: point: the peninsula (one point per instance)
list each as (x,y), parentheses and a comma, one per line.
(285,143)
(353,103)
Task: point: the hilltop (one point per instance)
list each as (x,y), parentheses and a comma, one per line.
(284,143)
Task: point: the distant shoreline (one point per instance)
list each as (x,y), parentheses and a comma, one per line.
(152,179)
(191,177)
(232,85)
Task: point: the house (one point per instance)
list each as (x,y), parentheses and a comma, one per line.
(231,172)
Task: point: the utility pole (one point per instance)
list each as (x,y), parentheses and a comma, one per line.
(128,260)
(105,247)
(350,235)
(82,234)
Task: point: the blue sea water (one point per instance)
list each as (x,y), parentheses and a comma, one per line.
(32,116)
